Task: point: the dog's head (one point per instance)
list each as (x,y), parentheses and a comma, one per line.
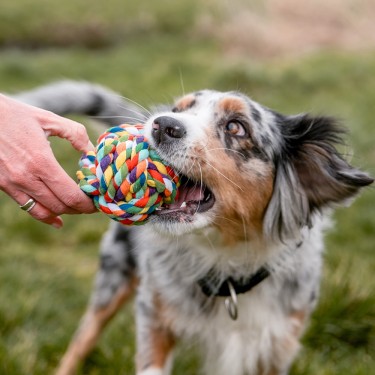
(248,170)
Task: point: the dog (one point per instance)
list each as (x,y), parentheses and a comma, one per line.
(234,264)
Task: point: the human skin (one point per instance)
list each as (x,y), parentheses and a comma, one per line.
(28,168)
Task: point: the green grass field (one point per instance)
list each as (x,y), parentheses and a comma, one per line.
(152,53)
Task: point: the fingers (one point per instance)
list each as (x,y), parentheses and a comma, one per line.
(58,181)
(43,179)
(68,129)
(49,206)
(38,211)
(28,168)
(66,190)
(43,195)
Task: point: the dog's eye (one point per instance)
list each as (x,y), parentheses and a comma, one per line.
(235,128)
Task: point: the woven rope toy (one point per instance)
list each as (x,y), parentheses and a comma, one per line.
(125,178)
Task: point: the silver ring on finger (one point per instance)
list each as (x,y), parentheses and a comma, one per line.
(28,206)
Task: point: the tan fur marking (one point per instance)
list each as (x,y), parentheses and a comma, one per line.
(234,105)
(162,340)
(185,102)
(92,325)
(299,319)
(283,352)
(242,194)
(285,348)
(266,369)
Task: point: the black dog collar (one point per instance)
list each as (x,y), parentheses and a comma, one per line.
(211,288)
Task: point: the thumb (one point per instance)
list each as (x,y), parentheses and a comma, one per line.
(70,130)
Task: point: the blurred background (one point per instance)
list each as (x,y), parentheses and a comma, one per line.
(290,55)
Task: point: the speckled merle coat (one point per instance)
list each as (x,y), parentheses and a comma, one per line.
(257,188)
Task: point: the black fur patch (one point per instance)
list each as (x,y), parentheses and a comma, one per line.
(310,145)
(310,173)
(107,262)
(256,114)
(123,235)
(98,105)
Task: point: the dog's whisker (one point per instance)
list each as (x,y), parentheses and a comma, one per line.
(136,119)
(141,114)
(245,237)
(191,166)
(244,228)
(137,104)
(182,82)
(223,217)
(114,117)
(201,185)
(225,149)
(203,147)
(223,175)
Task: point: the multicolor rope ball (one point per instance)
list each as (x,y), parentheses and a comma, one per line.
(125,178)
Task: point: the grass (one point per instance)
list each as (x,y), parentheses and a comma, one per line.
(46,275)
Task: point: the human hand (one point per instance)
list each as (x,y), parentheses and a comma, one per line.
(28,168)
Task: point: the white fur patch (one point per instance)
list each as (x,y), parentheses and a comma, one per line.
(152,371)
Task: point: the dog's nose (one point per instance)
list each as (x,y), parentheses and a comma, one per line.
(167,129)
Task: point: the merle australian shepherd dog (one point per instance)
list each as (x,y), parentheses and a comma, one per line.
(235,263)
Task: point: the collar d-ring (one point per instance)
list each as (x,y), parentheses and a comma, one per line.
(231,303)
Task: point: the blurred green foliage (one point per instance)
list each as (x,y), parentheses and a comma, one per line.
(94,24)
(151,52)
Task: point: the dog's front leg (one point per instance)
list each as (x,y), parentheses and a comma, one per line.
(155,341)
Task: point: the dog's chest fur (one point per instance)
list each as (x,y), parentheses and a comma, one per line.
(170,268)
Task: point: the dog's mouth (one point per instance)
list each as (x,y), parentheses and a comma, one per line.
(194,197)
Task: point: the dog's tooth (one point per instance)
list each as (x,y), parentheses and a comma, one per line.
(183,205)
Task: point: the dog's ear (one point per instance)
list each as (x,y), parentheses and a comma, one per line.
(310,174)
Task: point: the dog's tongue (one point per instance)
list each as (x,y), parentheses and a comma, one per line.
(188,194)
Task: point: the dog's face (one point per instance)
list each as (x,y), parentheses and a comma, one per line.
(246,169)
(218,143)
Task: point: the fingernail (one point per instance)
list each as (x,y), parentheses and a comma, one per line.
(58,223)
(90,146)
